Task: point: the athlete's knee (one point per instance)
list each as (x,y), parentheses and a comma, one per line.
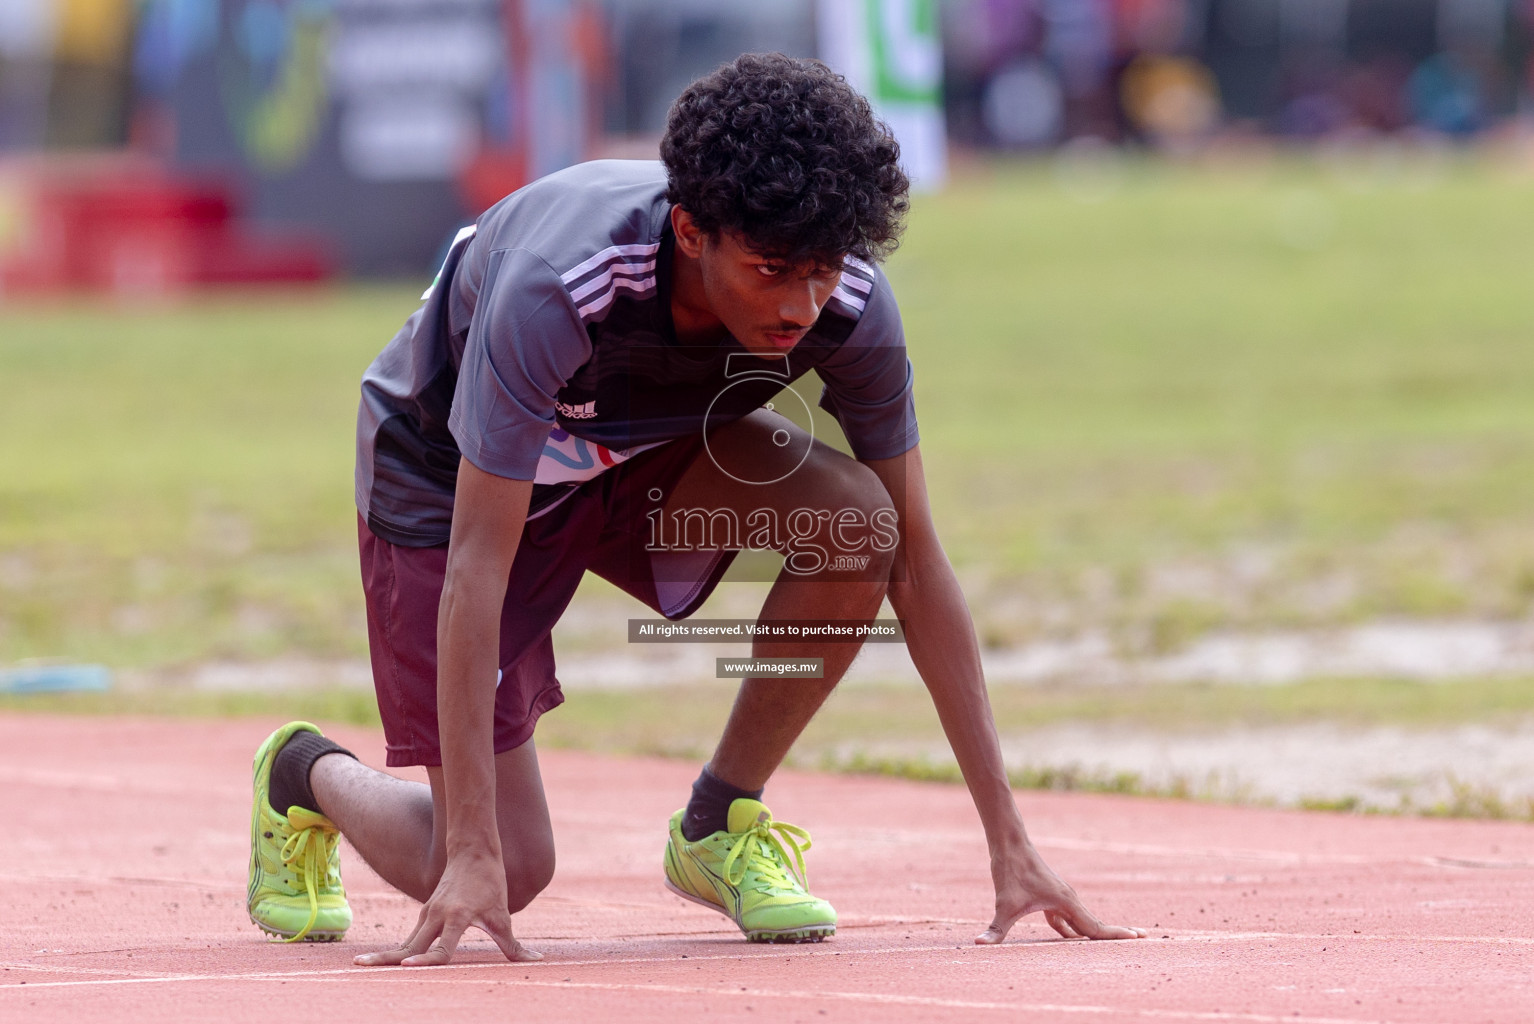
(841,484)
(530,874)
(847,481)
(861,518)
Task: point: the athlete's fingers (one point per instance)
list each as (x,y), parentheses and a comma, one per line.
(423,932)
(435,956)
(440,952)
(1116,931)
(418,941)
(1086,925)
(1001,924)
(1081,920)
(422,921)
(1070,922)
(498,928)
(1061,925)
(385,957)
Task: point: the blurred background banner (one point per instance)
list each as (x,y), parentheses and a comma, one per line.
(891,52)
(357,135)
(382,123)
(375,126)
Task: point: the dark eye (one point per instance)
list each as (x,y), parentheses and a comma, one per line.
(769,270)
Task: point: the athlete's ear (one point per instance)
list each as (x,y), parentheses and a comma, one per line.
(689,237)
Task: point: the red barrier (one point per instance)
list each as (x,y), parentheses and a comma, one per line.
(133,229)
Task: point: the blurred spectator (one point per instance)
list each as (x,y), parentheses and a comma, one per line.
(1375,94)
(1445,95)
(64,80)
(1024,73)
(995,87)
(662,45)
(26,51)
(1169,100)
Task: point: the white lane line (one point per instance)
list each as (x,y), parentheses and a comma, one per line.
(105,880)
(142,976)
(136,976)
(114,974)
(734,993)
(1491,940)
(1203,937)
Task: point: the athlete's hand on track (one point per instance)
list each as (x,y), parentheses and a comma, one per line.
(471,893)
(1024,884)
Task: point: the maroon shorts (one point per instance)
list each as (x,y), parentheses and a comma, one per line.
(601,526)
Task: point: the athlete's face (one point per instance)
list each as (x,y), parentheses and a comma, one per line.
(766,304)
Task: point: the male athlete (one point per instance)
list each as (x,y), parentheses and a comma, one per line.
(591,373)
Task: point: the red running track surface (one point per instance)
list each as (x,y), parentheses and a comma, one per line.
(124,871)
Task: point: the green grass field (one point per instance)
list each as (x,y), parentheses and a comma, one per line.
(1261,395)
(1157,412)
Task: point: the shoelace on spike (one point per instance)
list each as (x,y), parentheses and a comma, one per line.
(759,843)
(307,854)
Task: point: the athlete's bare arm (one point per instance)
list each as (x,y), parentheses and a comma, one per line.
(488,515)
(941,639)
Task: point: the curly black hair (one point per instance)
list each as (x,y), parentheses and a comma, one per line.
(784,152)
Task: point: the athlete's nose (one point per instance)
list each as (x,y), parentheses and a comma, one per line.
(800,306)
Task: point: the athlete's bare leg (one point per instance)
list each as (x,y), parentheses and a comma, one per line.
(769,714)
(394,823)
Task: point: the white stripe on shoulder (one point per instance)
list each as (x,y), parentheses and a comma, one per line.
(857,284)
(850,299)
(611,253)
(602,280)
(857,264)
(641,285)
(463,236)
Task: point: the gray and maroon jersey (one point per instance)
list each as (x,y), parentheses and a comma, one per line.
(544,351)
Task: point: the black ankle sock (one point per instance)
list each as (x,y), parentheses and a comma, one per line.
(709,809)
(291,767)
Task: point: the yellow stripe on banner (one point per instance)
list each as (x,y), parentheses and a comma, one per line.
(93,31)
